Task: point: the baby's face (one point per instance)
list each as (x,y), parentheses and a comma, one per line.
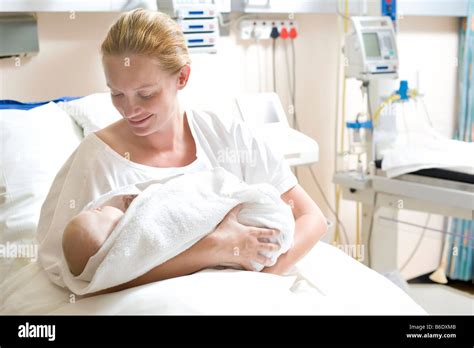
(85,234)
(103,219)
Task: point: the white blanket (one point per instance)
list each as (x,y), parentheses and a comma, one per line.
(171,215)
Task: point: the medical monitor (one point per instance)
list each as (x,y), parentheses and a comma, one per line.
(371,49)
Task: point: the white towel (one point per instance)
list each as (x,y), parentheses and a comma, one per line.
(169,216)
(427,149)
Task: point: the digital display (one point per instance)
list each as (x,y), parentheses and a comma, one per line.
(371,44)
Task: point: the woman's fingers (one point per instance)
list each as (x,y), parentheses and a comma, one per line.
(247,242)
(263,260)
(247,266)
(270,247)
(264,233)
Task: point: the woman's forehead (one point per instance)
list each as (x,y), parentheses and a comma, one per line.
(132,72)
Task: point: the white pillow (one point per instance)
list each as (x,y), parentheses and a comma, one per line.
(92,112)
(34,144)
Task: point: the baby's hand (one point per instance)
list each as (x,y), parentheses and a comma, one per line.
(127,200)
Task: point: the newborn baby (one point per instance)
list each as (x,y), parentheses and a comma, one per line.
(90,229)
(114,240)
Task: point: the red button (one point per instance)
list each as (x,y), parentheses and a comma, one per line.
(293,34)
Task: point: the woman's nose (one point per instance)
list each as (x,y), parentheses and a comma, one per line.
(130,109)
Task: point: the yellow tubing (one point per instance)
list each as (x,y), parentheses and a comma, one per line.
(382,106)
(393,98)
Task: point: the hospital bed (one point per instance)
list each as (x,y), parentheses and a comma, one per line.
(435,190)
(36,142)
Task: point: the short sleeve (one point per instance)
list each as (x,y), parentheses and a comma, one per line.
(70,191)
(259,162)
(85,176)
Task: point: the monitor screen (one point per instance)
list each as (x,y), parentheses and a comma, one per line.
(371,44)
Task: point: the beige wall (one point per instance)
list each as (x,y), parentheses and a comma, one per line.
(69,64)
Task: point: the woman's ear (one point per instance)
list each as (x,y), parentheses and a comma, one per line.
(183,76)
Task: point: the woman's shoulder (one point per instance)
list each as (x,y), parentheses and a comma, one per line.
(89,147)
(108,135)
(93,147)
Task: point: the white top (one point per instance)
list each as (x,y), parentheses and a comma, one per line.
(94,169)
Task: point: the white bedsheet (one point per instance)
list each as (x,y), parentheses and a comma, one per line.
(325,282)
(416,150)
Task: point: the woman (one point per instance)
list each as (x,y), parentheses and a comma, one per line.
(146,63)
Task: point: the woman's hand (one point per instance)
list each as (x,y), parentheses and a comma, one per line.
(240,244)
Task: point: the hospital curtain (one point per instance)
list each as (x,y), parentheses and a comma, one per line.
(460,251)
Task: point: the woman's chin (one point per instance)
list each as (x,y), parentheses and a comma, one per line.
(145,129)
(142,132)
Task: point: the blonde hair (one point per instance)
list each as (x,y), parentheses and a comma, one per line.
(149,33)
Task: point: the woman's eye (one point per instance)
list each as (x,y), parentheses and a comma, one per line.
(146,96)
(116,95)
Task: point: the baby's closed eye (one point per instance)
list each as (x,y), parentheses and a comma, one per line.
(127,200)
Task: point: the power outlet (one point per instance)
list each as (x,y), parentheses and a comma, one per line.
(261,28)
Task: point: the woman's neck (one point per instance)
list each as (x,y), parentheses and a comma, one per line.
(171,137)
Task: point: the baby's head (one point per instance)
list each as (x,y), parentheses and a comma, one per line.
(85,234)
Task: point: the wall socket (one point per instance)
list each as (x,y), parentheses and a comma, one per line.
(251,29)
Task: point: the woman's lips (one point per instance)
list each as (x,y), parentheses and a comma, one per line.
(139,122)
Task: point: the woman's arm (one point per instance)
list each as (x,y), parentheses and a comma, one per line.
(213,250)
(198,257)
(310,227)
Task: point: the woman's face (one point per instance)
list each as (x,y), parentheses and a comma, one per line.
(144,94)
